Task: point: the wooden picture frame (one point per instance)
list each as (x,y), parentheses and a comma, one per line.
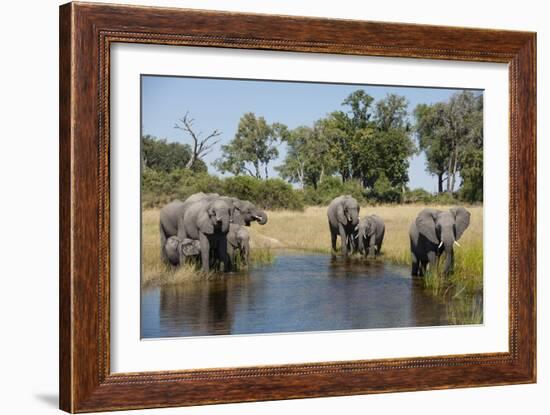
(86,33)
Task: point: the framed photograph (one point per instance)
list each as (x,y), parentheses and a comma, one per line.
(259,207)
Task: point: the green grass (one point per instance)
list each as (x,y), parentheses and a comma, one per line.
(308,231)
(465,310)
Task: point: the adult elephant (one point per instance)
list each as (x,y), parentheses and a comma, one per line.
(246,212)
(238,245)
(243,212)
(370,235)
(343,217)
(434,232)
(207,221)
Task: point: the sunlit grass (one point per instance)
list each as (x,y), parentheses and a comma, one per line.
(154,271)
(465,310)
(308,231)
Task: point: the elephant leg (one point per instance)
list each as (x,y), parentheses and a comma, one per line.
(333,236)
(231,263)
(432,261)
(222,253)
(163,255)
(378,248)
(449,263)
(415,265)
(422,266)
(343,240)
(205,252)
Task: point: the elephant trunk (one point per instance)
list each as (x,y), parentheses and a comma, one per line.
(361,242)
(449,255)
(354,219)
(261,217)
(225,224)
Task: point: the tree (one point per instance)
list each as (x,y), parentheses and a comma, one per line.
(370,141)
(307,160)
(431,139)
(253,147)
(201,145)
(345,130)
(470,161)
(159,155)
(451,134)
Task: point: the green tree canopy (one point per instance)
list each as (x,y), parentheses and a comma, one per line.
(253,147)
(160,155)
(451,135)
(308,159)
(370,140)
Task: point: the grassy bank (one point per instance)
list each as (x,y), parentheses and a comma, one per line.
(308,230)
(154,271)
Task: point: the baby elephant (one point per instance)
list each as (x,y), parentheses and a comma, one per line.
(238,243)
(370,234)
(174,246)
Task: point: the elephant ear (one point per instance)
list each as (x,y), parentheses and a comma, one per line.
(462,220)
(425,223)
(340,214)
(237,203)
(204,220)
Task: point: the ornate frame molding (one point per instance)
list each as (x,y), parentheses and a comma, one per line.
(86,33)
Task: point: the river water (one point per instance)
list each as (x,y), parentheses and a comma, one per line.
(297,293)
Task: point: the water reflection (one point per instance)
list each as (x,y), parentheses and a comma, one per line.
(295,293)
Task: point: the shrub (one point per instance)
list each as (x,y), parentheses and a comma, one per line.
(242,187)
(267,194)
(330,188)
(277,194)
(418,195)
(445,199)
(159,188)
(383,191)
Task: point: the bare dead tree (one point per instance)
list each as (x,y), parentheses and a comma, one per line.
(201,145)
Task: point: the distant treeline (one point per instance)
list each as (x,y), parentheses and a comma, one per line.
(363,151)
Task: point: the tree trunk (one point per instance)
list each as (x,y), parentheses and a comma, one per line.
(191,161)
(449,174)
(440,182)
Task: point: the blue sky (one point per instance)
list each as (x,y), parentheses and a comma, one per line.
(219,104)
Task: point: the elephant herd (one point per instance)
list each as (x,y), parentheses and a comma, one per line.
(207,227)
(431,234)
(212,229)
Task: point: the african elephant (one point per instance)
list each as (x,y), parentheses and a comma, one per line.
(175,248)
(343,217)
(208,222)
(201,217)
(245,212)
(434,232)
(171,216)
(238,243)
(370,232)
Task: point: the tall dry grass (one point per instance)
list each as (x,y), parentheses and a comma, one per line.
(154,271)
(308,231)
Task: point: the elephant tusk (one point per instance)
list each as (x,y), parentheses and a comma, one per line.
(457,244)
(258,217)
(440,245)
